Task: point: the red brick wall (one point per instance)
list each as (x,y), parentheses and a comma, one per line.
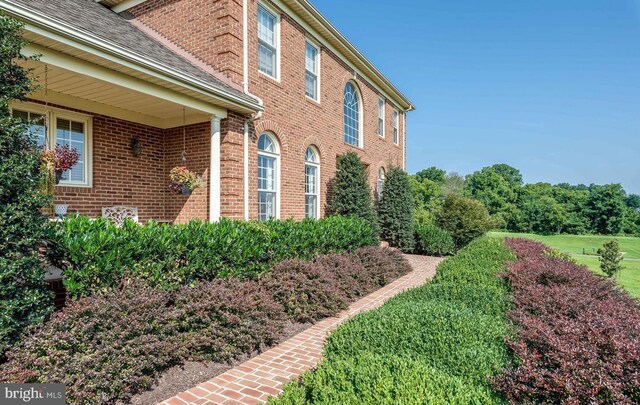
(211,30)
(181,209)
(119,177)
(299,122)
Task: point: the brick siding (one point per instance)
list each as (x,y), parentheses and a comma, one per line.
(212,32)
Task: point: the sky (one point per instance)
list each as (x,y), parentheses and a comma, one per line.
(551,87)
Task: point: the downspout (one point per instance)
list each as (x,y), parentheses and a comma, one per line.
(404,140)
(254,117)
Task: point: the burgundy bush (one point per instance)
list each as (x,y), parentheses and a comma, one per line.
(383,265)
(307,291)
(578,336)
(106,349)
(312,291)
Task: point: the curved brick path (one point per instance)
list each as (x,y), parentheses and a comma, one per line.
(255,380)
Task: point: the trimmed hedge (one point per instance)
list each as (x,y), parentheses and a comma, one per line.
(433,241)
(111,346)
(100,254)
(434,344)
(578,335)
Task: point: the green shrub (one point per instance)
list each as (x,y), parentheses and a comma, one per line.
(465,218)
(100,254)
(395,210)
(351,194)
(432,240)
(374,379)
(434,344)
(610,258)
(24,298)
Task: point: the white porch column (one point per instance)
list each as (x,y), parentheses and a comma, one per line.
(214,171)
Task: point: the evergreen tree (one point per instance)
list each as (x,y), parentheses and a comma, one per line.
(395,210)
(610,258)
(351,191)
(24,298)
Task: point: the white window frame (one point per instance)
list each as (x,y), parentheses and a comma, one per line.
(275,155)
(382,177)
(51,115)
(318,182)
(396,127)
(317,73)
(360,115)
(382,103)
(269,9)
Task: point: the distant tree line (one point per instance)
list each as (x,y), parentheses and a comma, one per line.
(538,208)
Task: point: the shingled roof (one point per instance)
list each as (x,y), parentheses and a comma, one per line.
(93,19)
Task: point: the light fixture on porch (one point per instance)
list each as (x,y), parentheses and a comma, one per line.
(135,146)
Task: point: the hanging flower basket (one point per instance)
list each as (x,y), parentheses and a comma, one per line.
(183,181)
(59,160)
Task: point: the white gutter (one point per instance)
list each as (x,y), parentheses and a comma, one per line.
(258,115)
(192,83)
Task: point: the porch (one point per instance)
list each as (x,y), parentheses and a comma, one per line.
(129,134)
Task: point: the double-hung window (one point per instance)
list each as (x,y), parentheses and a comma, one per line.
(395,127)
(64,128)
(381,105)
(311,184)
(268,158)
(268,41)
(312,65)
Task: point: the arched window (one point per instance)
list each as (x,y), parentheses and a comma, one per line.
(268,177)
(351,115)
(312,183)
(380,185)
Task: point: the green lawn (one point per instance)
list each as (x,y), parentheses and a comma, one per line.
(629,278)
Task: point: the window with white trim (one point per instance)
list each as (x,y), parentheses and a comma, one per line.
(351,115)
(380,183)
(381,105)
(312,65)
(312,183)
(65,128)
(395,127)
(268,41)
(268,177)
(35,125)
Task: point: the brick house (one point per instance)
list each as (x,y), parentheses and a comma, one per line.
(260,96)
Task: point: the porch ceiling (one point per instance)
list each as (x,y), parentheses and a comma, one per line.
(83,92)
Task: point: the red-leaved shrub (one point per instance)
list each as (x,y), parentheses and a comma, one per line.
(578,336)
(312,291)
(107,348)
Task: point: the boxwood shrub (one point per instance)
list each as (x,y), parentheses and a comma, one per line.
(99,254)
(432,240)
(434,344)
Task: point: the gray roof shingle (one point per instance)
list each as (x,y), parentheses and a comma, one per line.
(94,19)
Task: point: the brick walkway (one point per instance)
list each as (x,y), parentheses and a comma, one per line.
(255,380)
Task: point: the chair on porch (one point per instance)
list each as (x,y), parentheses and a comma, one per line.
(117,214)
